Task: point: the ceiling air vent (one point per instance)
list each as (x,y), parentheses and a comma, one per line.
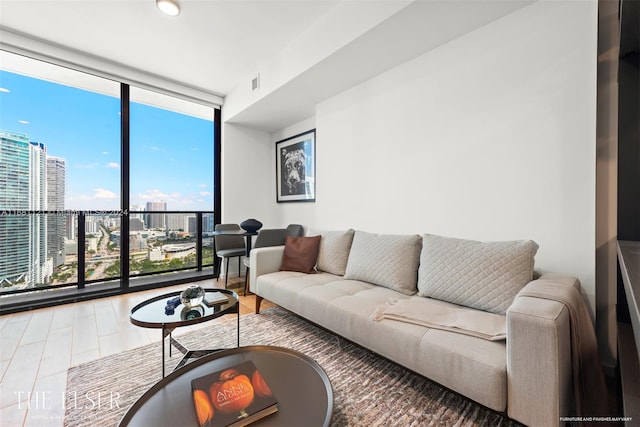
(255,82)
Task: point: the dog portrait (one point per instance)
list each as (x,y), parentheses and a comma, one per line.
(295,164)
(293,171)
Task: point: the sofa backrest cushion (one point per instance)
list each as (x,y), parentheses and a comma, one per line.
(481,275)
(386,260)
(300,254)
(334,250)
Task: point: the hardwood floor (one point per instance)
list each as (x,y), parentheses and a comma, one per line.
(37,348)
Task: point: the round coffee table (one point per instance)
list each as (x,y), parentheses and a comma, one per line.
(151,314)
(300,385)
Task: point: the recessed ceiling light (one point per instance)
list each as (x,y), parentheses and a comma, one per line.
(170,7)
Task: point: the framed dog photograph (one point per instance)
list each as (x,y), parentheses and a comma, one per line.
(296,168)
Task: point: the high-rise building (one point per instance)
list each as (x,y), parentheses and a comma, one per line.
(56,219)
(179,222)
(191,224)
(92,225)
(23,236)
(208,223)
(136,224)
(156,220)
(137,212)
(71,226)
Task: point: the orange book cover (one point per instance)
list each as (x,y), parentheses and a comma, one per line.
(236,396)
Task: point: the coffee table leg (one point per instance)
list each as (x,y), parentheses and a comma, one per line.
(163,335)
(165,331)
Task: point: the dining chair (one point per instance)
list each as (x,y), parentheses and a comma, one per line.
(229,246)
(295,230)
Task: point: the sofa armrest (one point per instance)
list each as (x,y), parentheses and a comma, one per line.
(539,384)
(263,261)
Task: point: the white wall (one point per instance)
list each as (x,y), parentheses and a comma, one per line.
(249,183)
(246,167)
(489,137)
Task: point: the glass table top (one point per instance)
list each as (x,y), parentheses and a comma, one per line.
(155,312)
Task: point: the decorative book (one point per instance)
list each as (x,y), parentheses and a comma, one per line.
(212,299)
(236,396)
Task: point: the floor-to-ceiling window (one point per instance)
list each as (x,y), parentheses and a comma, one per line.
(60,148)
(63,198)
(171,178)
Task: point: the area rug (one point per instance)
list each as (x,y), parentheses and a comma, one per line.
(368,389)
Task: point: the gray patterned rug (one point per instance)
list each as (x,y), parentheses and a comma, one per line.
(368,389)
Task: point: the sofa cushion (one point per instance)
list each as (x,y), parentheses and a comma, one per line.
(334,250)
(300,254)
(386,260)
(481,275)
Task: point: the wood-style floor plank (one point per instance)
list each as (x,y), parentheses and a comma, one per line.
(38,347)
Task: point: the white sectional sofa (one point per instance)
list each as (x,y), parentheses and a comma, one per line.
(445,308)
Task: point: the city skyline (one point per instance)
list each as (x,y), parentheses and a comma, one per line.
(171,154)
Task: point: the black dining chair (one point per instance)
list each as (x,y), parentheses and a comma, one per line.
(295,230)
(229,246)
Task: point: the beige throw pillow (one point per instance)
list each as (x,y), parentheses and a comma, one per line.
(334,251)
(385,260)
(481,275)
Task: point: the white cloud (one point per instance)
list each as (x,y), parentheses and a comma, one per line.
(154,194)
(183,203)
(98,194)
(113,165)
(105,153)
(4,89)
(202,185)
(24,122)
(175,200)
(101,193)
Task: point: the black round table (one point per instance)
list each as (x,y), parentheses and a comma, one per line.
(151,314)
(300,385)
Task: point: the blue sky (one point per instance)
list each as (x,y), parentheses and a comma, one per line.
(171,153)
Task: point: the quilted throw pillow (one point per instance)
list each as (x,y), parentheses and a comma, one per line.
(482,275)
(300,254)
(334,251)
(385,260)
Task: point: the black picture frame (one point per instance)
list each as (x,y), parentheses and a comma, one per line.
(296,168)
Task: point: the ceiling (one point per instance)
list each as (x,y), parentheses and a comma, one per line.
(208,46)
(214,46)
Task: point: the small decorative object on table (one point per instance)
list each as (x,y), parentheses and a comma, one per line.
(251,225)
(192,296)
(191,312)
(170,308)
(236,396)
